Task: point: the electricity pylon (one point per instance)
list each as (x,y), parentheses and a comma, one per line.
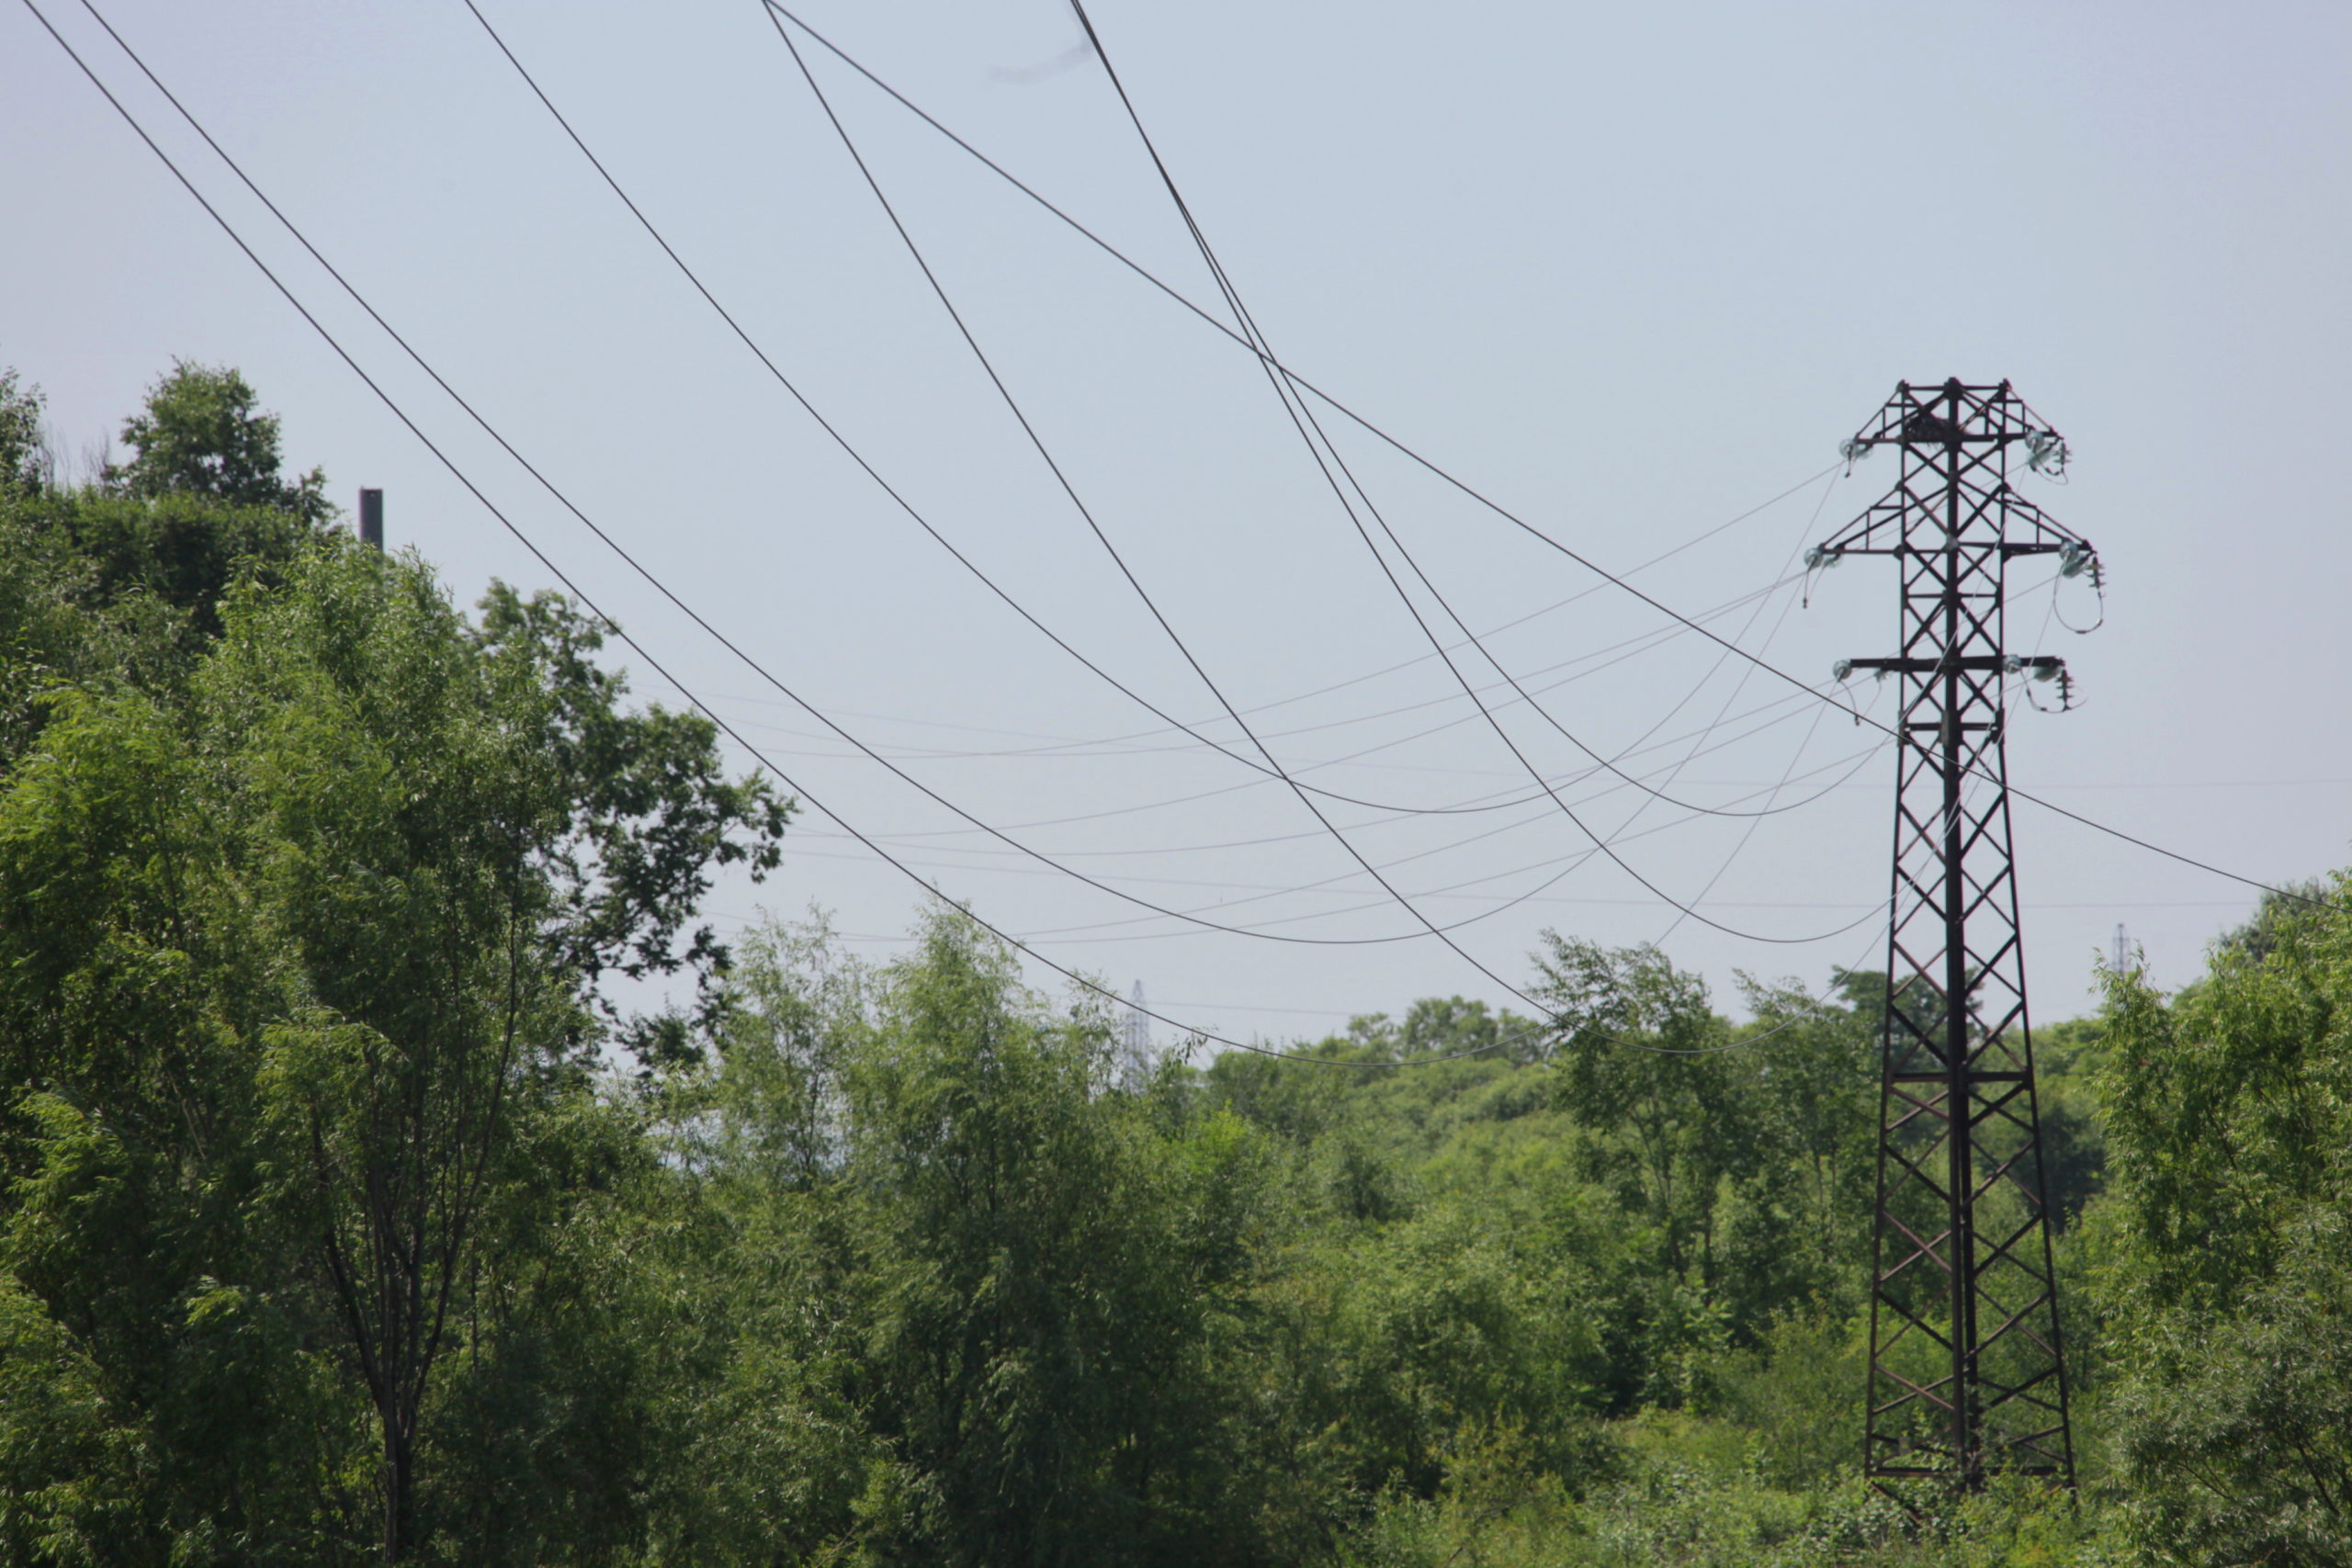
(1967,1373)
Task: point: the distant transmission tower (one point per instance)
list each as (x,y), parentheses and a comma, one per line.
(1967,1374)
(1135,1044)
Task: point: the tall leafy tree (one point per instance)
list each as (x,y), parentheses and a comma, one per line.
(1640,1050)
(22,456)
(202,433)
(2226,1244)
(1030,1269)
(300,1016)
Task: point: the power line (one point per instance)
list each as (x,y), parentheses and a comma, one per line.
(1442,473)
(522,537)
(1167,627)
(634,564)
(1233,299)
(1272,768)
(1059,748)
(440,456)
(1311,431)
(538,554)
(1659,633)
(660,586)
(1269,767)
(1567,863)
(569,584)
(1402,817)
(1118,745)
(1819,713)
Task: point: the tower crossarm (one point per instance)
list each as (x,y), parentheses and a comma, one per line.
(1956,439)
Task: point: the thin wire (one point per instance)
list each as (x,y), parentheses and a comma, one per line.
(830,429)
(1436,643)
(531,546)
(777,10)
(1173,293)
(1749,832)
(627,638)
(654,663)
(1464,487)
(1112,746)
(1310,430)
(641,570)
(1568,863)
(1533,614)
(1819,712)
(1377,822)
(1013,406)
(1270,768)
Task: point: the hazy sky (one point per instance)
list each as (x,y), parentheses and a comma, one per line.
(1630,270)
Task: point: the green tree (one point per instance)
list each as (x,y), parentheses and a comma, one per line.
(201,434)
(22,456)
(1640,1057)
(2226,1267)
(297,1002)
(1028,1273)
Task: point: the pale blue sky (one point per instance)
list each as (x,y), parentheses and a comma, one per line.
(1631,269)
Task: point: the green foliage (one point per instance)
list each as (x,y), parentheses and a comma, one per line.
(312,1204)
(21,450)
(1025,1276)
(330,1232)
(200,434)
(2226,1271)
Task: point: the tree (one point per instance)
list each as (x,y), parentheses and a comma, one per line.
(199,434)
(1028,1271)
(297,1002)
(1669,1091)
(2226,1267)
(23,449)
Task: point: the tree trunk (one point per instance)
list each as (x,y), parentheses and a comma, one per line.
(400,1486)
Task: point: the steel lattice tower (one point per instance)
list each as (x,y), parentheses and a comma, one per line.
(1967,1373)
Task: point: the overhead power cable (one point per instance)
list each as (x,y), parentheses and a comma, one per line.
(1094,526)
(573,588)
(833,431)
(318,327)
(1567,864)
(1320,446)
(1819,711)
(621,552)
(1439,471)
(1128,745)
(1061,478)
(1269,767)
(524,538)
(1557,605)
(1501,800)
(1498,801)
(571,585)
(1851,764)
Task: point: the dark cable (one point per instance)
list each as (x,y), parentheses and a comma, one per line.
(656,583)
(651,663)
(676,259)
(618,631)
(1464,487)
(1310,430)
(1095,527)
